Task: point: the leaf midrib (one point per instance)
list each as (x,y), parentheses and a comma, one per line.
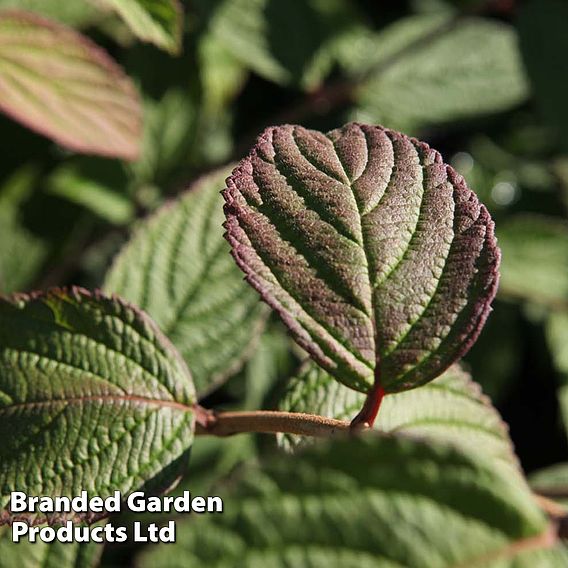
(115,399)
(360,215)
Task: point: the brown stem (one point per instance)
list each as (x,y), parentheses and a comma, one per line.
(557,513)
(551,508)
(368,414)
(268,422)
(557,493)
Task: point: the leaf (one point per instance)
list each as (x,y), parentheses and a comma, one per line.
(92,397)
(452,408)
(563,403)
(552,482)
(365,50)
(70,183)
(371,501)
(551,557)
(272,360)
(177,267)
(60,84)
(75,14)
(544,46)
(222,74)
(535,259)
(27,554)
(432,70)
(169,130)
(22,253)
(375,254)
(289,43)
(557,337)
(156,21)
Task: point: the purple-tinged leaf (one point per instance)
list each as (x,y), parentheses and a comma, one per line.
(57,82)
(373,251)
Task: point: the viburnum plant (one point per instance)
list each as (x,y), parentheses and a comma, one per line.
(383,264)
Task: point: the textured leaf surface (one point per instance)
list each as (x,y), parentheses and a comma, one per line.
(92,397)
(374,252)
(451,408)
(177,267)
(60,84)
(428,70)
(366,502)
(27,554)
(535,259)
(156,21)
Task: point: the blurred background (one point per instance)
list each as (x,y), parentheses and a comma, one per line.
(484,82)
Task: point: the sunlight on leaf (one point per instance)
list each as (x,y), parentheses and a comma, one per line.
(60,84)
(177,267)
(365,502)
(92,397)
(374,252)
(157,21)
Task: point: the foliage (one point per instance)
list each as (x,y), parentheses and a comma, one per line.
(137,132)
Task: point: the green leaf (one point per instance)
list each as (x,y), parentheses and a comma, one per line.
(563,403)
(169,130)
(555,556)
(557,337)
(535,260)
(221,72)
(286,42)
(76,14)
(156,21)
(22,253)
(60,84)
(70,183)
(451,408)
(364,50)
(432,71)
(177,267)
(374,252)
(272,360)
(552,482)
(92,397)
(544,45)
(371,501)
(27,554)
